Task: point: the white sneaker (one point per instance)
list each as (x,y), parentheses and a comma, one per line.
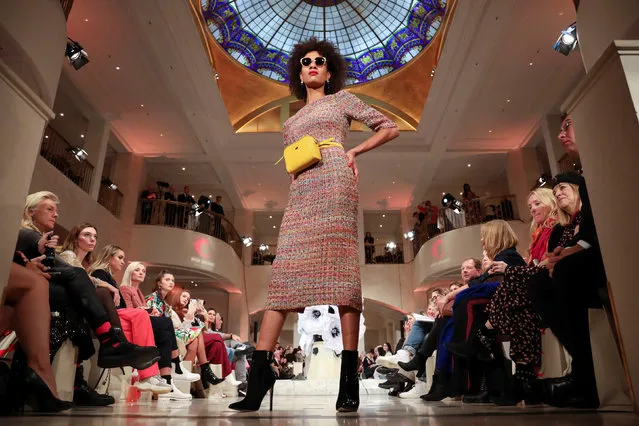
(391,361)
(155,384)
(419,389)
(175,395)
(186,376)
(230,380)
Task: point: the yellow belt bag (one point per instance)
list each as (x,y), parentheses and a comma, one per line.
(304,153)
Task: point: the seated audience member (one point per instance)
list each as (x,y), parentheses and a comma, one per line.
(440,389)
(570,286)
(164,284)
(26,310)
(36,238)
(77,251)
(499,243)
(368,365)
(511,311)
(237,350)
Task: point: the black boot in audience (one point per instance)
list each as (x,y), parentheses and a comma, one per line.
(414,364)
(481,397)
(479,344)
(85,396)
(440,388)
(521,388)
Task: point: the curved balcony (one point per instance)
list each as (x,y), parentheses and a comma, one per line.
(189,217)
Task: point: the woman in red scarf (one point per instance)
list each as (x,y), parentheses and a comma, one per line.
(510,310)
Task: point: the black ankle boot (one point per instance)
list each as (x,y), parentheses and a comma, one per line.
(521,388)
(348,396)
(208,377)
(261,379)
(478,344)
(84,396)
(439,389)
(116,352)
(414,364)
(481,397)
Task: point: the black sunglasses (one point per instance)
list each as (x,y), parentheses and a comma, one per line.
(319,61)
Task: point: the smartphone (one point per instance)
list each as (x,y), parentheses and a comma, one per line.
(192,303)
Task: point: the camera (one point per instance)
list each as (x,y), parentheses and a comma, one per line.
(49,253)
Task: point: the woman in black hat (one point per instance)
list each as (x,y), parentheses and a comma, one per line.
(563,296)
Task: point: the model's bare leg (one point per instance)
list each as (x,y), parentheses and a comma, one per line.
(201,350)
(349,318)
(29,294)
(270,330)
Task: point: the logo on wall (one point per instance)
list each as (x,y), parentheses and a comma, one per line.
(203,248)
(436,250)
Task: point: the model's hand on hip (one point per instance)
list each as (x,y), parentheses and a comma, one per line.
(351,163)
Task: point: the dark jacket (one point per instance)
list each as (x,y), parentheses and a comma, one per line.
(510,256)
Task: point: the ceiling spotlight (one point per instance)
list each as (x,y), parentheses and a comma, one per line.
(381,226)
(383,215)
(117,68)
(263,247)
(79,153)
(567,41)
(183,168)
(82,136)
(61,114)
(210,195)
(508,100)
(141,105)
(468,164)
(451,202)
(530,64)
(109,184)
(76,54)
(247,241)
(490,130)
(274,226)
(195,284)
(410,235)
(270,217)
(217,76)
(391,245)
(192,282)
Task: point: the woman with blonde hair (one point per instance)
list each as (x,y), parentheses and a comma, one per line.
(499,243)
(36,238)
(170,366)
(511,311)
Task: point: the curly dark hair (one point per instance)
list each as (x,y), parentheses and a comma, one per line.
(336,66)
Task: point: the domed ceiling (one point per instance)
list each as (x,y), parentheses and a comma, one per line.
(376,37)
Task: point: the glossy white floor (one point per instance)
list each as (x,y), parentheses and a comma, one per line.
(319,410)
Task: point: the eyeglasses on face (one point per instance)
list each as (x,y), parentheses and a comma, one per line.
(320,61)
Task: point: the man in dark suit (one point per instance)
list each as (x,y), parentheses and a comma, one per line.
(170,208)
(216,207)
(183,210)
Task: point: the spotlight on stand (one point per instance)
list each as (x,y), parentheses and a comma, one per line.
(263,247)
(247,241)
(391,245)
(410,235)
(79,153)
(450,202)
(567,41)
(76,54)
(543,181)
(109,184)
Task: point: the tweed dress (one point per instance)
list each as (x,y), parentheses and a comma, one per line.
(317,259)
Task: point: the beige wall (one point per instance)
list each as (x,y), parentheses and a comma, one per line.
(443,255)
(160,245)
(76,206)
(523,170)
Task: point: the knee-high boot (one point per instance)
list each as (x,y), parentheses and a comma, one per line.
(348,396)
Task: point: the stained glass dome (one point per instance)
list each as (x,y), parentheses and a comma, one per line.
(375,37)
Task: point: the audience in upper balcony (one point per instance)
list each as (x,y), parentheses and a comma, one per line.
(369,247)
(471,205)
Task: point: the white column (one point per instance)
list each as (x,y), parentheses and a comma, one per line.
(604,114)
(96,142)
(22,122)
(550,129)
(600,22)
(523,170)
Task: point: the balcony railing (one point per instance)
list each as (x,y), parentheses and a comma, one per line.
(184,216)
(111,200)
(474,212)
(382,253)
(57,151)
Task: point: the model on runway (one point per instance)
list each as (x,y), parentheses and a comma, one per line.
(317,261)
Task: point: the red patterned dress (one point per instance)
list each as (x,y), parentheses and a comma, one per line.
(317,260)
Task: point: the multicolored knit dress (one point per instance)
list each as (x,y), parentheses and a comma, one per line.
(317,259)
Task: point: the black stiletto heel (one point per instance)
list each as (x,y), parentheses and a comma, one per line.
(261,379)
